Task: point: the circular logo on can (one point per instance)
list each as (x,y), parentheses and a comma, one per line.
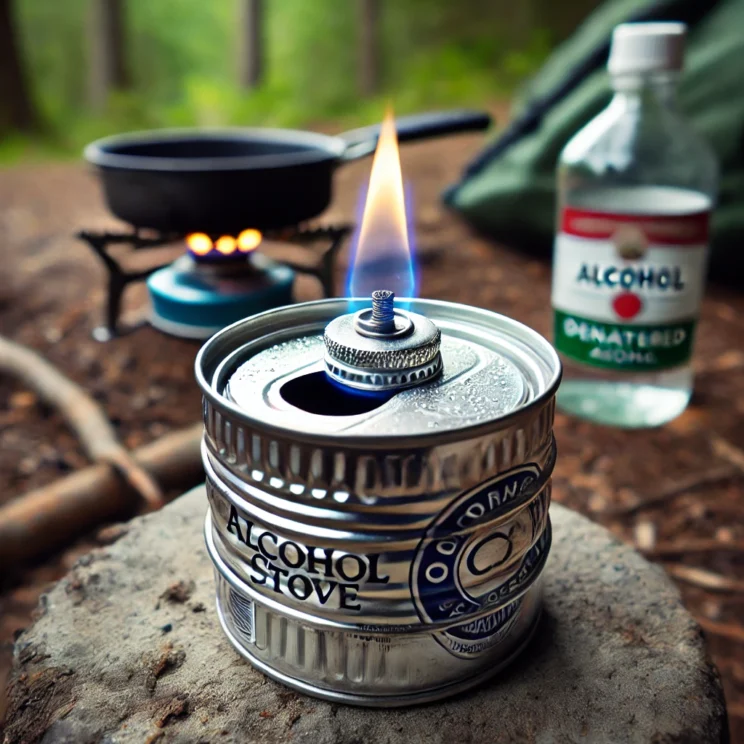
(461,569)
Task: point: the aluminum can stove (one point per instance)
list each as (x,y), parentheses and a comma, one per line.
(378,488)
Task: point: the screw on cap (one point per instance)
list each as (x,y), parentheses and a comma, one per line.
(639,48)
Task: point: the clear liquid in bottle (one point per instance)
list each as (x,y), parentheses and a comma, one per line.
(636,187)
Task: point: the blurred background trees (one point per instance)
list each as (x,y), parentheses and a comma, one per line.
(17,111)
(72,70)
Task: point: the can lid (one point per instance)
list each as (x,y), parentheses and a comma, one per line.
(494,368)
(647,47)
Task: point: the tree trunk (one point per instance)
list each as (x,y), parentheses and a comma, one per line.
(369,61)
(106,65)
(16,108)
(251,43)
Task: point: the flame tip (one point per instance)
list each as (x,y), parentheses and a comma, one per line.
(382,257)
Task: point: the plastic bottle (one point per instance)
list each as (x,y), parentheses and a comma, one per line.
(636,186)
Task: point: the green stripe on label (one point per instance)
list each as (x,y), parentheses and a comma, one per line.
(630,347)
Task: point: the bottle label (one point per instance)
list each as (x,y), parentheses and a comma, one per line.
(627,288)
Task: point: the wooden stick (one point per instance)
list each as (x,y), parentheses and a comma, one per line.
(53,516)
(726,451)
(691,483)
(699,546)
(729,631)
(703,579)
(81,412)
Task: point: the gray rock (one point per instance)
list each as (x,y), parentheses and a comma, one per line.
(128,649)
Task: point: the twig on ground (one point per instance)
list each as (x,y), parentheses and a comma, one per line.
(726,451)
(730,631)
(43,520)
(704,579)
(697,480)
(82,414)
(695,546)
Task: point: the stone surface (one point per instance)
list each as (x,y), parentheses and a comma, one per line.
(127,648)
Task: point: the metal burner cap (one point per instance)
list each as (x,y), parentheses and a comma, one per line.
(382,348)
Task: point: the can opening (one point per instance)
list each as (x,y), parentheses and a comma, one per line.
(318,393)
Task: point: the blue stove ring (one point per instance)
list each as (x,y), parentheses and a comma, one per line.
(194,300)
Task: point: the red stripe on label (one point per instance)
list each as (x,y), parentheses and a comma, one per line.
(629,229)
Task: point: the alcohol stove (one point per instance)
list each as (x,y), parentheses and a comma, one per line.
(378,485)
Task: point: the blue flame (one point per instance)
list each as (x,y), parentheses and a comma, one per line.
(387,266)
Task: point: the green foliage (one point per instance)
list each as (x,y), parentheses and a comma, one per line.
(51,39)
(182,61)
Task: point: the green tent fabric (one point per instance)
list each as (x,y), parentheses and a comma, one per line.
(508,192)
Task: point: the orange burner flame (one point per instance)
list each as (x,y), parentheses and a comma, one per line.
(249,240)
(226,245)
(382,258)
(200,244)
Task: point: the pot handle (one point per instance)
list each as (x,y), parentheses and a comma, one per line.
(362,142)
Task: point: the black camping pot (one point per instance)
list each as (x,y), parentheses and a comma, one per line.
(226,180)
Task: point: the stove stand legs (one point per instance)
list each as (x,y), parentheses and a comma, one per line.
(324,270)
(118,280)
(113,328)
(109,330)
(328,260)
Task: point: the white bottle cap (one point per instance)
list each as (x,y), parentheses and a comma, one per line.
(647,47)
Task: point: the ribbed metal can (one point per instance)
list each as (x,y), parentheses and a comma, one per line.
(378,550)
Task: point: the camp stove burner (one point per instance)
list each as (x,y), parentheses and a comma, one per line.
(227,278)
(193,299)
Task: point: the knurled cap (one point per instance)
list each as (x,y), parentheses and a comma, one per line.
(369,363)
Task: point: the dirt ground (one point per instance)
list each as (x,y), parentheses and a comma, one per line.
(51,297)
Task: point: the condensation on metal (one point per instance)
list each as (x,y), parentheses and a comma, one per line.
(493,367)
(392,556)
